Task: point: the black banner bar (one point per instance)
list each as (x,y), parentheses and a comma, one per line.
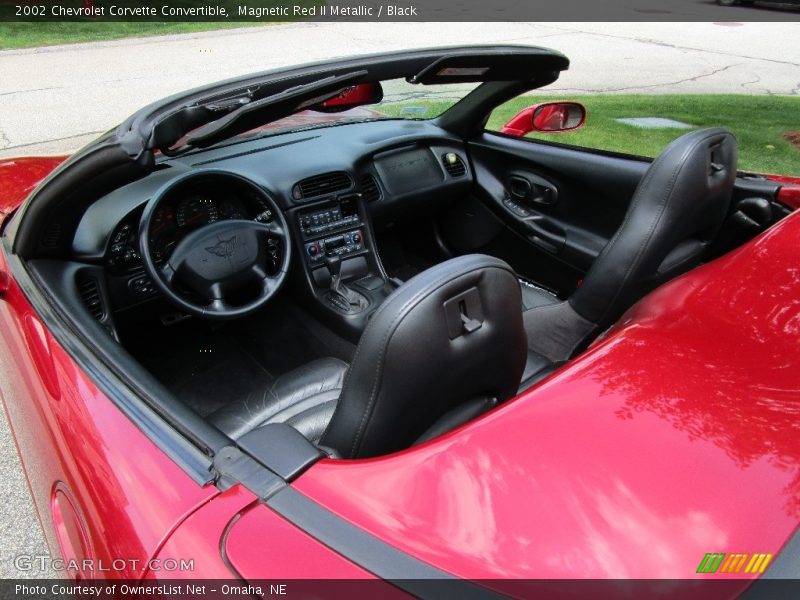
(271,11)
(346,589)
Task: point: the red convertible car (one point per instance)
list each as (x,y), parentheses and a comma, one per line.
(321,323)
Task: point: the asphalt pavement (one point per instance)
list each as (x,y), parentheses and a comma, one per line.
(20,532)
(53,100)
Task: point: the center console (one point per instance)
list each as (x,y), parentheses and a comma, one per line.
(341,267)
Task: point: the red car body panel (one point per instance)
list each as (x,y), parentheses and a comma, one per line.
(657,446)
(236,523)
(789,194)
(119,496)
(198,538)
(296,556)
(660,444)
(18,177)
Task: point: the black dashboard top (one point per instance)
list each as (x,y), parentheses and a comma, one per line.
(382,149)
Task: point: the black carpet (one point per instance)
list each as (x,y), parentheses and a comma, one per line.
(209,365)
(203,366)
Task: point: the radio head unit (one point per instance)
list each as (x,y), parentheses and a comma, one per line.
(330,218)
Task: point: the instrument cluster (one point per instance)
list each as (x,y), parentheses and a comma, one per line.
(175,219)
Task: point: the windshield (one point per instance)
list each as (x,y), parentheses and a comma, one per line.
(401,100)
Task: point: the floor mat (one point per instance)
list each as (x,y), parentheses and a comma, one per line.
(401,263)
(205,367)
(409,248)
(283,337)
(210,365)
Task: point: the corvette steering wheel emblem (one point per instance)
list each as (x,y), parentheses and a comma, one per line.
(223,249)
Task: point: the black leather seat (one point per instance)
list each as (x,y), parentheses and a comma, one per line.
(444,347)
(675,212)
(304,398)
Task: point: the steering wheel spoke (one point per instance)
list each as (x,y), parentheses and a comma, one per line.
(214,292)
(218,305)
(269,283)
(258,272)
(273,229)
(167,273)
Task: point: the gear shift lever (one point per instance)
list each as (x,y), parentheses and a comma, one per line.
(334,264)
(338,289)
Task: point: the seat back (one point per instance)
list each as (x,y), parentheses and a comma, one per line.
(676,210)
(447,336)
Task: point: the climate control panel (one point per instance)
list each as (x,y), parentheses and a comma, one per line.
(342,245)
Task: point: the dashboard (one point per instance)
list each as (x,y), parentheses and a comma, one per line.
(394,170)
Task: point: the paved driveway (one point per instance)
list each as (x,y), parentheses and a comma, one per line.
(53,100)
(56,99)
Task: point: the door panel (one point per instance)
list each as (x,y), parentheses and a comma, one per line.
(554,208)
(561,205)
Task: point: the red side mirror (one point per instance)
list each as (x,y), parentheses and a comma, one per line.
(547,117)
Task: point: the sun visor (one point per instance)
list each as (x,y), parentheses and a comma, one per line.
(479,67)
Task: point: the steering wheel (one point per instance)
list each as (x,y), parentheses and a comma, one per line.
(219,260)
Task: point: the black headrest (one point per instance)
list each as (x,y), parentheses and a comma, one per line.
(451,334)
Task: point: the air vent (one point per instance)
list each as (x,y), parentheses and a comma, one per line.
(369,188)
(52,236)
(92,299)
(453,164)
(319,185)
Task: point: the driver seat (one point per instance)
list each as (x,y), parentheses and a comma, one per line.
(446,346)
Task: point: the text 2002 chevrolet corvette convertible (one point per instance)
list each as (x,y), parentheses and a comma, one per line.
(321,323)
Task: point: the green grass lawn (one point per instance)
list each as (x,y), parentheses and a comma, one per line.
(759,123)
(33,33)
(28,35)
